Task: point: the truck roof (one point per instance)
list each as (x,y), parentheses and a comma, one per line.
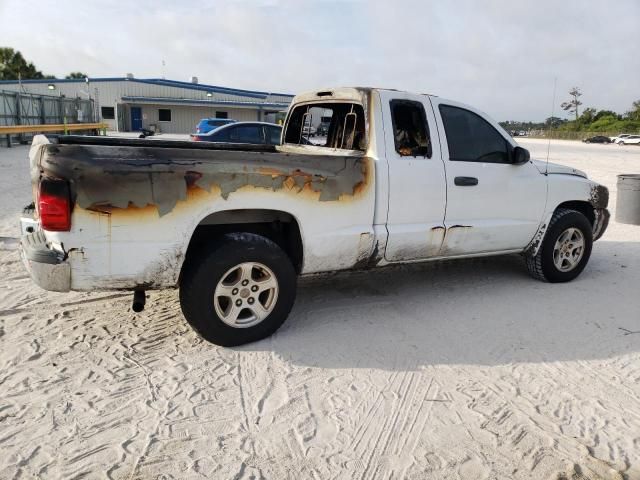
(357,94)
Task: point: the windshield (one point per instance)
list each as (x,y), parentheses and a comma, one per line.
(333,125)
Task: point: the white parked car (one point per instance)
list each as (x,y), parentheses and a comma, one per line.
(620,137)
(399,178)
(630,140)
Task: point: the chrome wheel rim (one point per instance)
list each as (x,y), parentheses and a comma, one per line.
(568,250)
(246,295)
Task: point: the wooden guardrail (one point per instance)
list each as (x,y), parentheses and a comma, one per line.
(54,127)
(9,130)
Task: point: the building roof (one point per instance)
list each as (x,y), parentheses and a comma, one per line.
(207,103)
(156,81)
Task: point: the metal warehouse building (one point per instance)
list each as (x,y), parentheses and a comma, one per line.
(167,106)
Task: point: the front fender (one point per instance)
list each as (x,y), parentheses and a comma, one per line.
(569,188)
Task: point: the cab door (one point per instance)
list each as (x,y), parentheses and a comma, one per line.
(417,186)
(492,204)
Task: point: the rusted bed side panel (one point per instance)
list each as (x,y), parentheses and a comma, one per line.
(120,176)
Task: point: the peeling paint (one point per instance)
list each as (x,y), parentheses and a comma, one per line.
(452,227)
(365,247)
(377,255)
(600,223)
(123,177)
(536,242)
(435,240)
(440,241)
(452,238)
(599,196)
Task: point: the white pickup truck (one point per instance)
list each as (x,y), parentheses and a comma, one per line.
(398,178)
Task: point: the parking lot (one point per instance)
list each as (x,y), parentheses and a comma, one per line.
(467,369)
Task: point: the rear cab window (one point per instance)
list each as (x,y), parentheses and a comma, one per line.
(336,125)
(471,138)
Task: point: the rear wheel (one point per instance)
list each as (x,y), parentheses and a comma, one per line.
(565,250)
(240,290)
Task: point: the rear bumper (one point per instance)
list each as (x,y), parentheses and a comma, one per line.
(47,267)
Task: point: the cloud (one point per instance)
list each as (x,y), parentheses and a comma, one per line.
(500,56)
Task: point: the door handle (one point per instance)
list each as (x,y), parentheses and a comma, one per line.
(465,181)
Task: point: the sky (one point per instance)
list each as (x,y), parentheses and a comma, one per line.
(500,56)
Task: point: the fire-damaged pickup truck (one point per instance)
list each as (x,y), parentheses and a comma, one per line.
(397,177)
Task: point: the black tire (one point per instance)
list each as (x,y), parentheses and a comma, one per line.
(207,267)
(541,266)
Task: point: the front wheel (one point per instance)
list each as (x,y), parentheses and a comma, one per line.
(238,291)
(565,250)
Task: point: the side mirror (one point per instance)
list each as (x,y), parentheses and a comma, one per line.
(520,156)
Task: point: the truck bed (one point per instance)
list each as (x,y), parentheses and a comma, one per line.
(121,172)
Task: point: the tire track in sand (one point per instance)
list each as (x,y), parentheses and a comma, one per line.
(387,430)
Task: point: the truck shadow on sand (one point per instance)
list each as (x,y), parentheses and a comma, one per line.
(482,311)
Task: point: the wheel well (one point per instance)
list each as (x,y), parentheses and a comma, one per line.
(279,227)
(583,207)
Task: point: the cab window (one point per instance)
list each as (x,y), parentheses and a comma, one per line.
(471,138)
(410,129)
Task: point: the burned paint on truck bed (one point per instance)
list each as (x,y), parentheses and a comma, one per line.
(119,174)
(137,203)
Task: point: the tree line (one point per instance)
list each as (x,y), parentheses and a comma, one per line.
(13,66)
(589,120)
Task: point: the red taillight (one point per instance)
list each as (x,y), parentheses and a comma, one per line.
(54,205)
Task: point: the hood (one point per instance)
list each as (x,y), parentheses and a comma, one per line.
(556,168)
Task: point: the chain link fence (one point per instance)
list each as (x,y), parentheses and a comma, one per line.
(18,108)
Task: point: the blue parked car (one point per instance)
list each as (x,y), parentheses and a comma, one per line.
(207,124)
(256,133)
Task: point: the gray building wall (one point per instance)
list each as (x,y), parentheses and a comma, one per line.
(109,93)
(185,118)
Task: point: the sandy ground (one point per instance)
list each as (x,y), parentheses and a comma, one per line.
(464,370)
